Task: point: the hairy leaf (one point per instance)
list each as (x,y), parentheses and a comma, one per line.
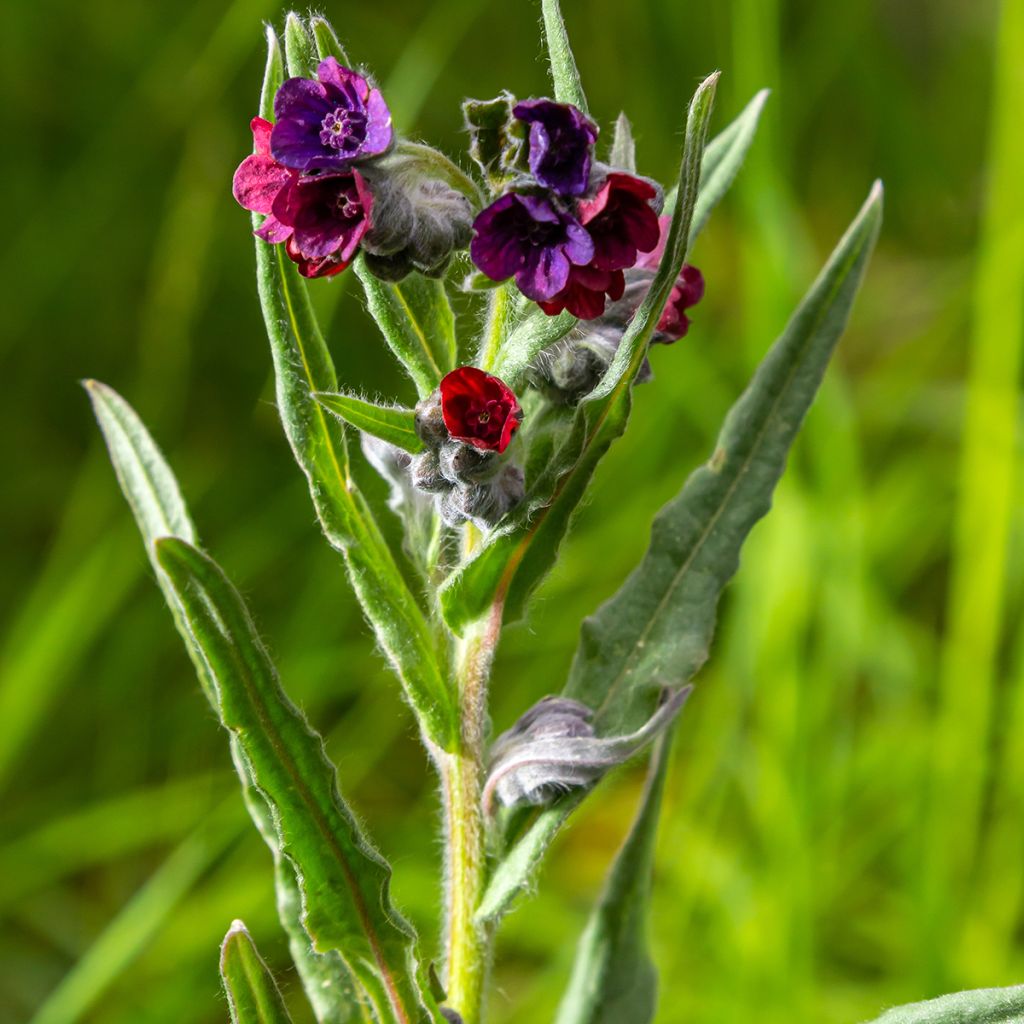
(528,338)
(416,320)
(300,52)
(980,1006)
(564,74)
(327,44)
(623,151)
(613,979)
(343,879)
(522,548)
(392,424)
(656,631)
(302,366)
(253,997)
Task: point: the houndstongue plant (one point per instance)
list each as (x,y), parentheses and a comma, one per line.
(580,263)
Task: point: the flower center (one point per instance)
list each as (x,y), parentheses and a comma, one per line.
(344,129)
(346,206)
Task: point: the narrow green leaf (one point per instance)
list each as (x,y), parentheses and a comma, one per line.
(416,320)
(623,151)
(656,630)
(395,425)
(273,75)
(519,552)
(528,338)
(613,978)
(299,48)
(253,996)
(564,74)
(327,44)
(343,879)
(980,1006)
(515,871)
(303,366)
(722,160)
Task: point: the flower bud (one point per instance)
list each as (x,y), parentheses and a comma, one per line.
(430,420)
(426,473)
(484,503)
(418,219)
(463,464)
(552,749)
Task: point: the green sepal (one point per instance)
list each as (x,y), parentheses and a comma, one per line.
(978,1006)
(327,43)
(565,75)
(656,631)
(344,881)
(416,320)
(614,980)
(253,996)
(302,367)
(498,141)
(521,549)
(393,424)
(300,52)
(623,152)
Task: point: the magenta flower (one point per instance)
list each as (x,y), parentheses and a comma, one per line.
(620,220)
(584,295)
(527,238)
(561,141)
(329,124)
(479,409)
(322,218)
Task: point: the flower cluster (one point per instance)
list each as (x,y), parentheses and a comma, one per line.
(567,230)
(465,424)
(330,182)
(570,370)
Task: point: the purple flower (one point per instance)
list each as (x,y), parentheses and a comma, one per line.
(329,124)
(526,237)
(561,138)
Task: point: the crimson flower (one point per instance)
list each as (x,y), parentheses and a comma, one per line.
(687,291)
(584,294)
(620,220)
(479,409)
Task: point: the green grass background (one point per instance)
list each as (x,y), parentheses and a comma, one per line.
(844,826)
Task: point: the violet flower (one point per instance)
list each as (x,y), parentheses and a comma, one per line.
(561,141)
(329,124)
(526,237)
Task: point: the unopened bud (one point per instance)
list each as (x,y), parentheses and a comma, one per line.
(430,420)
(426,473)
(463,464)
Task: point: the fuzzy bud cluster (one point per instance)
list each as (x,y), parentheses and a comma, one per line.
(465,426)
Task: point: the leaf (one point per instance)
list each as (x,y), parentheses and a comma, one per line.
(613,978)
(656,630)
(980,1006)
(253,997)
(623,151)
(344,881)
(521,549)
(300,52)
(327,44)
(302,366)
(416,320)
(392,424)
(723,157)
(722,160)
(159,509)
(564,74)
(531,336)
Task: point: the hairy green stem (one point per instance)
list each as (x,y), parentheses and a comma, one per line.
(462,772)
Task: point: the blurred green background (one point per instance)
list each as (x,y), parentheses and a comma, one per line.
(845,821)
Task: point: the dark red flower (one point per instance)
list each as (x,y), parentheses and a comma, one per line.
(620,220)
(584,295)
(479,409)
(686,292)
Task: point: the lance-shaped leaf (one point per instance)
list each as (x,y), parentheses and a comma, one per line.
(623,151)
(300,51)
(613,979)
(303,366)
(522,548)
(979,1006)
(327,44)
(393,424)
(656,631)
(723,157)
(159,509)
(528,338)
(344,881)
(253,996)
(416,320)
(564,74)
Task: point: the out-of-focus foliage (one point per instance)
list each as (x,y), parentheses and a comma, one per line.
(844,821)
